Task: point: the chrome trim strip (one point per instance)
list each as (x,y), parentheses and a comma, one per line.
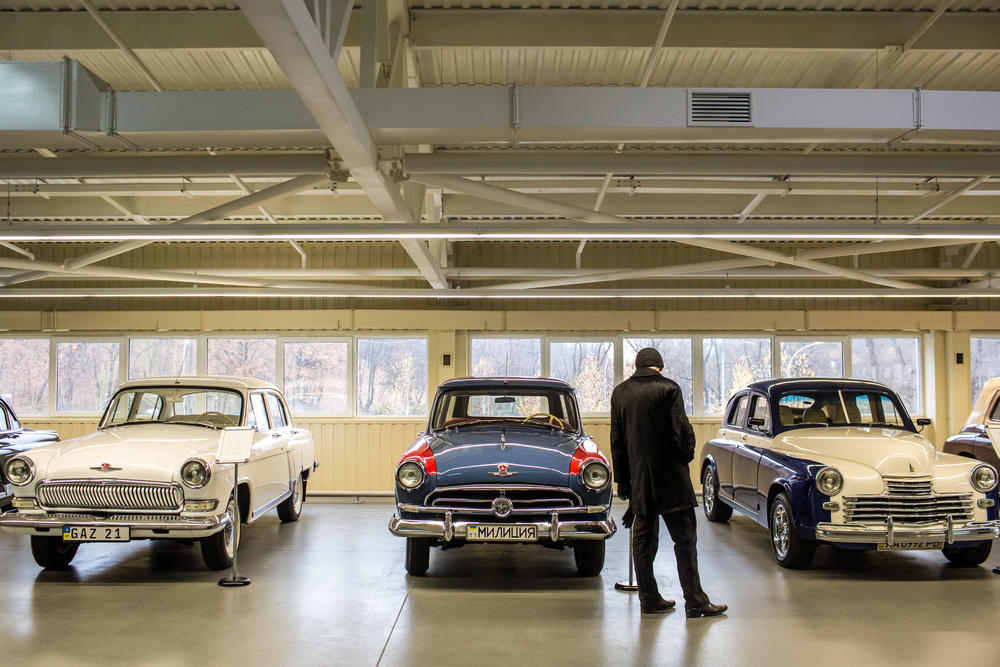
(555,529)
(270,506)
(502,488)
(973,531)
(18,520)
(423,509)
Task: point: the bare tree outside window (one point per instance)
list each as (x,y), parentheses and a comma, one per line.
(242,357)
(392,376)
(499,357)
(316,377)
(590,367)
(730,364)
(162,357)
(86,375)
(984,360)
(892,361)
(805,359)
(677,362)
(24,374)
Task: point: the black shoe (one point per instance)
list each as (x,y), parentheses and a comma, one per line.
(706,610)
(661,606)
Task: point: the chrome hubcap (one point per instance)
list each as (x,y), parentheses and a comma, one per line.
(233,531)
(297,495)
(708,491)
(780,530)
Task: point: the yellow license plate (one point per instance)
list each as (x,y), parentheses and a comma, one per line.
(910,546)
(93,534)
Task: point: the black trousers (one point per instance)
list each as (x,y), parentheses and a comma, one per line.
(645,540)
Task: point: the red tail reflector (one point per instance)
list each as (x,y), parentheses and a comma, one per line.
(421,451)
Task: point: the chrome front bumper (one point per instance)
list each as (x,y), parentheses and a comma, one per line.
(449,529)
(140,526)
(891,533)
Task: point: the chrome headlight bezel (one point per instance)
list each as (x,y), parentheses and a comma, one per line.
(829,473)
(985,467)
(208,473)
(587,472)
(414,482)
(10,478)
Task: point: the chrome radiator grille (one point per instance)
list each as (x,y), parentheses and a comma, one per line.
(525,499)
(908,509)
(111,495)
(912,487)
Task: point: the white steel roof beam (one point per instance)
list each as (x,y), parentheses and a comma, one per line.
(294,39)
(121,44)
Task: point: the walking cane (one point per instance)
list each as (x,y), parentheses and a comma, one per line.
(630,587)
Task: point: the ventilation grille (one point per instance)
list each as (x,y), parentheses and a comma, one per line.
(717,108)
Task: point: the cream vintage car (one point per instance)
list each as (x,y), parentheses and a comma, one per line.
(839,461)
(150,471)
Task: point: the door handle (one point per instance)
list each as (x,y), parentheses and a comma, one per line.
(744,437)
(275,435)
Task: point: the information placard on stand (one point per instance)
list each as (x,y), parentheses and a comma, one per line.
(235,447)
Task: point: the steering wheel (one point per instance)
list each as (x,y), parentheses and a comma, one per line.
(216,414)
(550,419)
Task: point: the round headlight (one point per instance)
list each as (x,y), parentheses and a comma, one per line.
(410,475)
(195,474)
(829,481)
(19,471)
(984,478)
(596,475)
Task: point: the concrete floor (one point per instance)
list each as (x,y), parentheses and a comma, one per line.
(331,590)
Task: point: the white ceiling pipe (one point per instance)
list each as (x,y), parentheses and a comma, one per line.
(187,165)
(267,214)
(951,196)
(466,294)
(531,202)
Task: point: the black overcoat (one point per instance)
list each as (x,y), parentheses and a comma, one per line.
(652,443)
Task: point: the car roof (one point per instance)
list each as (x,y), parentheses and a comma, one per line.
(775,385)
(500,382)
(223,381)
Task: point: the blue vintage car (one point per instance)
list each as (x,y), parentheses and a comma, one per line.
(16,439)
(840,461)
(504,460)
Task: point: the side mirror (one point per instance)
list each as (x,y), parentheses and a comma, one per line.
(756,421)
(922,422)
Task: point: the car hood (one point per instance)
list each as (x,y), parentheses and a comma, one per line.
(19,441)
(890,451)
(531,455)
(149,452)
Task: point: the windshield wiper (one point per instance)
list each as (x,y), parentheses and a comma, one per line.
(133,423)
(210,425)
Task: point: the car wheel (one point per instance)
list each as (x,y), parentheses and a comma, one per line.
(418,555)
(53,553)
(589,555)
(715,509)
(789,549)
(968,556)
(219,548)
(290,508)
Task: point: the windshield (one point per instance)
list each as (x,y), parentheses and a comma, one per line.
(506,406)
(834,407)
(202,406)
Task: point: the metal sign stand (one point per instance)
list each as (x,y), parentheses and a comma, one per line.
(234,447)
(630,587)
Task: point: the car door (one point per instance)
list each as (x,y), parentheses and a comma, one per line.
(276,470)
(746,458)
(266,456)
(985,449)
(730,437)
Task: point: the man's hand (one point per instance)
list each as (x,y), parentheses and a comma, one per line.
(624,492)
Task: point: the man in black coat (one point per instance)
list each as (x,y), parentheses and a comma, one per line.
(652,443)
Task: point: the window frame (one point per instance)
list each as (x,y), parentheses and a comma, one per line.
(981,335)
(845,352)
(616,371)
(50,395)
(543,350)
(350,409)
(920,408)
(199,349)
(701,366)
(428,391)
(54,410)
(278,360)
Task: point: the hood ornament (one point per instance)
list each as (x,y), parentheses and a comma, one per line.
(911,468)
(503,439)
(104,467)
(502,471)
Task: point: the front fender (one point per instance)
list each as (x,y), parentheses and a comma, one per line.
(780,473)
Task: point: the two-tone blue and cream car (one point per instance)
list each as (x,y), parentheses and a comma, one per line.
(840,461)
(504,460)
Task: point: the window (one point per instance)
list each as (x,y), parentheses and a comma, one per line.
(257,416)
(86,375)
(729,365)
(984,361)
(276,410)
(995,415)
(24,370)
(499,357)
(505,406)
(316,377)
(5,421)
(737,412)
(177,404)
(892,361)
(590,367)
(242,357)
(392,376)
(677,366)
(820,358)
(759,411)
(162,357)
(834,407)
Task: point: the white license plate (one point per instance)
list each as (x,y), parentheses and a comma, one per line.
(502,532)
(89,534)
(910,546)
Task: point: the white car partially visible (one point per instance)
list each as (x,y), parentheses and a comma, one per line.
(150,471)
